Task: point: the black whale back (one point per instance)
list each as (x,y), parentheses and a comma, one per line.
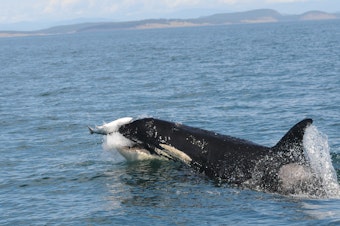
(219,156)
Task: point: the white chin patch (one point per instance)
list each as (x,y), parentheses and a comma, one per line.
(137,154)
(175,153)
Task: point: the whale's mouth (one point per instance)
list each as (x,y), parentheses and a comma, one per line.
(134,151)
(130,150)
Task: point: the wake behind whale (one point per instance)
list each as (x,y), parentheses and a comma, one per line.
(293,166)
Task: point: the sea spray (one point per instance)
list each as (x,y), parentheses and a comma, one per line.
(318,154)
(115,141)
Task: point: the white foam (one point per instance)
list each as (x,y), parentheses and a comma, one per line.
(116,141)
(113,139)
(114,125)
(318,154)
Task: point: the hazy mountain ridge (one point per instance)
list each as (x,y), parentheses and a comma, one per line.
(253,16)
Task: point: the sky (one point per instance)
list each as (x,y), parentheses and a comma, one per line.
(34,14)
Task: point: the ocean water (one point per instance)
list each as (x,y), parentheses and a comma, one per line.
(249,81)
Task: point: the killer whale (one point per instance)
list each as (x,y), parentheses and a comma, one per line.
(225,158)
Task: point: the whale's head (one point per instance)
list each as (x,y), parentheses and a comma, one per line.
(131,150)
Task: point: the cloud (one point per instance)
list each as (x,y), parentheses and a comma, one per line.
(66,6)
(232,2)
(285,1)
(181,3)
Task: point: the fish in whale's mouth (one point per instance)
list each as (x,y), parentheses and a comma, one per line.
(130,150)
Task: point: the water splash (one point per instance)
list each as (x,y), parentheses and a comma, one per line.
(115,141)
(318,154)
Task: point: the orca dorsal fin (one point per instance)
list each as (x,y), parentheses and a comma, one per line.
(293,139)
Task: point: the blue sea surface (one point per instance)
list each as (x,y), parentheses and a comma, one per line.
(250,81)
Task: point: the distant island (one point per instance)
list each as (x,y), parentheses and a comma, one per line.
(248,17)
